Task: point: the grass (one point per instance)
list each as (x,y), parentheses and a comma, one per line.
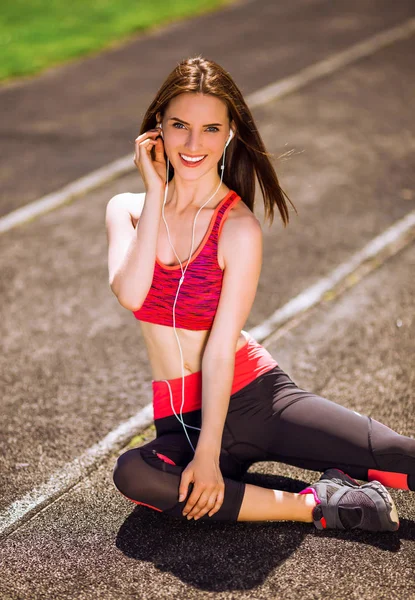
(35,35)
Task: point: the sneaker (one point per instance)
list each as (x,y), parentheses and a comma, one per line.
(343,504)
(340,477)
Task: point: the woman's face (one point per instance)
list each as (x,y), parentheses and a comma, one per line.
(195,125)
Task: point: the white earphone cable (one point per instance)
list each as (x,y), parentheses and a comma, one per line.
(184,425)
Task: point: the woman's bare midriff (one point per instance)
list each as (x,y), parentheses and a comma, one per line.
(164,352)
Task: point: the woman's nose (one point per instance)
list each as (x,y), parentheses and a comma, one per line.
(193,141)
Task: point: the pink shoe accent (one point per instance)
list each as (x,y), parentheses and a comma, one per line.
(310,490)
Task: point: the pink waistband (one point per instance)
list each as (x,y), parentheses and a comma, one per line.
(251,361)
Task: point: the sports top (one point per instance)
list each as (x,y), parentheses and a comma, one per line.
(199,293)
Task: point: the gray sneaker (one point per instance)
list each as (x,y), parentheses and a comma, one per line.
(344,504)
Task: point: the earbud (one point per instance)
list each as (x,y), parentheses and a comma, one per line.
(160,126)
(231,134)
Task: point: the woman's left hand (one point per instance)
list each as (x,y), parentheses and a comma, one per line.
(208,489)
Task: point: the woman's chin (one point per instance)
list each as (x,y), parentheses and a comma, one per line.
(189,173)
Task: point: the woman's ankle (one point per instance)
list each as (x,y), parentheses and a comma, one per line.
(307,504)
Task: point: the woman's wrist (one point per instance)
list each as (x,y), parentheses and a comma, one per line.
(155,193)
(208,449)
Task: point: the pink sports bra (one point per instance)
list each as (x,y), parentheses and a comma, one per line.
(199,294)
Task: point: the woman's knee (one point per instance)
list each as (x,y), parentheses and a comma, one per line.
(142,477)
(127,472)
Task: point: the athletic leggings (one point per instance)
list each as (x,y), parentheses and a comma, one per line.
(269,419)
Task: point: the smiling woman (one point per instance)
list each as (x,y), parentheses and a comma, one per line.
(198,152)
(195,144)
(183,110)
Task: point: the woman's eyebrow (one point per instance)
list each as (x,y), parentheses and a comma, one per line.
(185,123)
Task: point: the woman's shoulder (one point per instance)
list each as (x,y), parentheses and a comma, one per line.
(240,222)
(132,202)
(241,214)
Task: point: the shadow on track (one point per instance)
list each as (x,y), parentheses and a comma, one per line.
(232,556)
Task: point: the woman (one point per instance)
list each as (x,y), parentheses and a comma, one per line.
(250,408)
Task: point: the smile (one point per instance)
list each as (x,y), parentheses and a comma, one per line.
(191,161)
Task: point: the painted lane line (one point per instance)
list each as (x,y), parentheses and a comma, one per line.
(396,237)
(75,189)
(393,239)
(327,66)
(281,88)
(21,510)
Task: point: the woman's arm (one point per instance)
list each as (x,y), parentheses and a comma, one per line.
(132,252)
(242,252)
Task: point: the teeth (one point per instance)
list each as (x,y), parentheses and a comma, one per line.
(192,159)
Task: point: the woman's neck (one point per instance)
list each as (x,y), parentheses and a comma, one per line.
(183,195)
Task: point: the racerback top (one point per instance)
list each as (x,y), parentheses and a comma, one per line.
(199,293)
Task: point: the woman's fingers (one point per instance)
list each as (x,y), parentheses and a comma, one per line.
(145,140)
(208,503)
(208,506)
(159,150)
(201,502)
(186,478)
(146,134)
(151,171)
(208,488)
(218,503)
(142,145)
(193,498)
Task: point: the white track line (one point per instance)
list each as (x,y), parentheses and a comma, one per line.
(276,90)
(394,239)
(71,473)
(333,63)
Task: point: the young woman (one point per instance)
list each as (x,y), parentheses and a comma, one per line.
(221,401)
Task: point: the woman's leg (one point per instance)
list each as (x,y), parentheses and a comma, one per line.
(148,475)
(262,504)
(151,474)
(300,428)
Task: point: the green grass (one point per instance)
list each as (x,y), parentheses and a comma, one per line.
(142,438)
(37,34)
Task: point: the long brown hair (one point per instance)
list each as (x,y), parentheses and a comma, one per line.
(246,154)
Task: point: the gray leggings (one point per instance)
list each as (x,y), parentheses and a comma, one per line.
(270,419)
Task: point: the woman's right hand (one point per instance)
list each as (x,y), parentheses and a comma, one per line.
(152,172)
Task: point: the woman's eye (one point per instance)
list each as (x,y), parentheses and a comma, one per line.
(181,125)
